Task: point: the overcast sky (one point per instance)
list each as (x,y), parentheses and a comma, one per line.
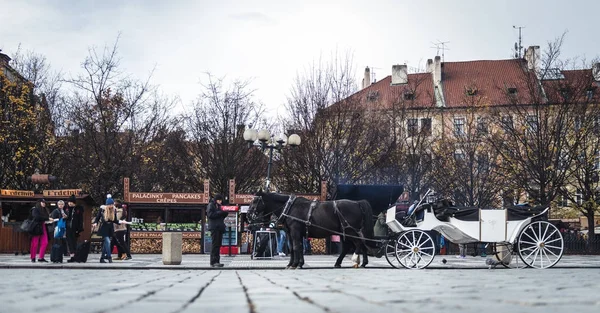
(270,41)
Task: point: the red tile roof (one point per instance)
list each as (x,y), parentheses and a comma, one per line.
(491,79)
(382,94)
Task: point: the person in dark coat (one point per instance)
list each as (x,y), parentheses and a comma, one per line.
(216,225)
(107,217)
(74,224)
(39,239)
(57,214)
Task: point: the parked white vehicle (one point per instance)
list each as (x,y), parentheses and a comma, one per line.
(521,230)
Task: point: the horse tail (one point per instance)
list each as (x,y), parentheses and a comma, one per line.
(368,223)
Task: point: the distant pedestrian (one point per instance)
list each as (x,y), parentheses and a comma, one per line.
(57,214)
(39,238)
(74,224)
(216,225)
(281,242)
(380,229)
(462,249)
(121,232)
(107,217)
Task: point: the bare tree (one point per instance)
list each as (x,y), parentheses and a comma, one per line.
(215,128)
(343,139)
(465,163)
(534,134)
(112,117)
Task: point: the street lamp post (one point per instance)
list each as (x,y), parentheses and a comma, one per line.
(265,140)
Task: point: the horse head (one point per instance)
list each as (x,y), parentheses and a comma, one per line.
(257,210)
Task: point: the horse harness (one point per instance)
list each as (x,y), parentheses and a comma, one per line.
(343,222)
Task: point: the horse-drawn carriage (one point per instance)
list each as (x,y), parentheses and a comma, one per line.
(520,230)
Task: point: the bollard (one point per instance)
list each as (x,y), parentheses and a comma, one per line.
(171,248)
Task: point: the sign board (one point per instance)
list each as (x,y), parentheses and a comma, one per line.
(244,208)
(158,235)
(17,193)
(62,193)
(229,208)
(185,198)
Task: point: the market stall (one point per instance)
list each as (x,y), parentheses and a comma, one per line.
(154,213)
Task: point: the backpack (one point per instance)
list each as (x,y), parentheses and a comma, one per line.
(60,229)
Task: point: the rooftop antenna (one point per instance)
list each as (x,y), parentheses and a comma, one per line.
(440,45)
(373,77)
(518,46)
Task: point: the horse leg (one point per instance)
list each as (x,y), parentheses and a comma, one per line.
(291,250)
(297,243)
(338,262)
(365,258)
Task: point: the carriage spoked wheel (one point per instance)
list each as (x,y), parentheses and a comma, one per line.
(415,249)
(540,245)
(390,253)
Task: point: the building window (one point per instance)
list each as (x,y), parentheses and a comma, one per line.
(482,127)
(459,126)
(579,197)
(412,126)
(483,163)
(578,123)
(532,123)
(426,126)
(409,95)
(563,202)
(459,155)
(589,94)
(507,122)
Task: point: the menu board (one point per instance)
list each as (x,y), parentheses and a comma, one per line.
(166,227)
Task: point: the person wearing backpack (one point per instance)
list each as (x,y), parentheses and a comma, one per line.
(107,218)
(60,232)
(39,236)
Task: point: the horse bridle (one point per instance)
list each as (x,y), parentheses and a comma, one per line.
(253,207)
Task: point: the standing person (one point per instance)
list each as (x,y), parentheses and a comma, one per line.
(121,232)
(39,239)
(216,225)
(107,217)
(462,250)
(57,214)
(281,242)
(74,224)
(380,229)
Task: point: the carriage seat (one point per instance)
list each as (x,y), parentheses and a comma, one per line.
(459,212)
(521,212)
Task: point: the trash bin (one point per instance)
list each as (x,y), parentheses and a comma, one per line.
(171,248)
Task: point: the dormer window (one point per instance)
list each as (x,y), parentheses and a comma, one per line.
(372,95)
(565,92)
(512,91)
(409,95)
(589,94)
(471,91)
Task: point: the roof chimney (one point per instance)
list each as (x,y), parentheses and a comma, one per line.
(4,58)
(435,68)
(532,56)
(367,78)
(399,74)
(596,71)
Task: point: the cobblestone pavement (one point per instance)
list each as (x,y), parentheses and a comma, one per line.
(201,261)
(327,290)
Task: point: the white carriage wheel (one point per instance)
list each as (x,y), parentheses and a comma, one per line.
(415,249)
(540,245)
(390,253)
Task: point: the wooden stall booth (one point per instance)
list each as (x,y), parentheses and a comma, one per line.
(15,206)
(153,213)
(318,245)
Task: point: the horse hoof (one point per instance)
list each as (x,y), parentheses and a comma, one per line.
(364,265)
(292,267)
(337,266)
(287,267)
(355,266)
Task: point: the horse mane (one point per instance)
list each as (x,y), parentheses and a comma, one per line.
(277,197)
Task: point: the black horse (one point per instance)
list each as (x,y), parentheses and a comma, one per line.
(317,219)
